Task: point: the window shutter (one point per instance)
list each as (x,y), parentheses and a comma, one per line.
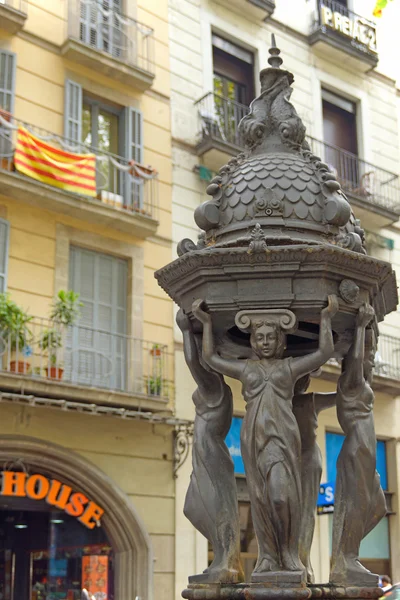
(97,349)
(73,111)
(8,64)
(4,238)
(133,150)
(135,134)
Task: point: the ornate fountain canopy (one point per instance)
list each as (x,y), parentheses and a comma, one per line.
(277,181)
(278,231)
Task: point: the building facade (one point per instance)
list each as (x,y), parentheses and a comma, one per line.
(86,427)
(346,92)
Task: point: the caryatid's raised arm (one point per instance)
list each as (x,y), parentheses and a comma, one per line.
(353,376)
(230,367)
(307,364)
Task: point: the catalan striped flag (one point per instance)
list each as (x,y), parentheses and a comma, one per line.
(66,170)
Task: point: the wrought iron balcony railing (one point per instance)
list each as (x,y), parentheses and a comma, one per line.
(219,118)
(82,356)
(218,122)
(118,181)
(102,28)
(387,359)
(359,178)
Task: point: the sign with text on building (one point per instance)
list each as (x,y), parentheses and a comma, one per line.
(38,487)
(361,32)
(326,498)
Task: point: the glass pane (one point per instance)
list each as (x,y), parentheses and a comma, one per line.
(47,554)
(218,85)
(87,124)
(108,132)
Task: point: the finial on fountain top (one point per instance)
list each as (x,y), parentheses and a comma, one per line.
(272,124)
(274,60)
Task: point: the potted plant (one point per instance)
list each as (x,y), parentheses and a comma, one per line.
(51,342)
(64,313)
(156,350)
(15,332)
(156,386)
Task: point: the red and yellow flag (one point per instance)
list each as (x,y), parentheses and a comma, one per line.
(66,170)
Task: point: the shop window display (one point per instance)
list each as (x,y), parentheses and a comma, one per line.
(48,555)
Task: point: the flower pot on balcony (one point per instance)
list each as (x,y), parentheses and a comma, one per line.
(54,373)
(19,366)
(7,164)
(155,351)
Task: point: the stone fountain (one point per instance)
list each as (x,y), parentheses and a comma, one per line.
(278,283)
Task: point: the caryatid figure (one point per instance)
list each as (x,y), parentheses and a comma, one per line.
(270,440)
(359,499)
(211,503)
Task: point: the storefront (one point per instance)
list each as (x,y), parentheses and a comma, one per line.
(65,527)
(52,541)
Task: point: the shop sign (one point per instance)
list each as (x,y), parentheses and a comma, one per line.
(233,442)
(362,33)
(38,487)
(326,498)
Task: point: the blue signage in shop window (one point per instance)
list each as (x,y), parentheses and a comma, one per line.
(326,498)
(233,443)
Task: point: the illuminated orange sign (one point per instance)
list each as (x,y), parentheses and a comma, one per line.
(55,493)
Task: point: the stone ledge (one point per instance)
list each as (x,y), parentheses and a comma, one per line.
(11,20)
(328,38)
(107,65)
(60,390)
(87,209)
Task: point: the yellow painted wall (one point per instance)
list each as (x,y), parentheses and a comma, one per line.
(39,100)
(136,455)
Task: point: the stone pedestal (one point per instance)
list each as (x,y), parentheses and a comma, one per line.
(265,591)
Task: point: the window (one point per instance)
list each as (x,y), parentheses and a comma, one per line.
(108,128)
(100,26)
(340,137)
(7,80)
(48,553)
(233,83)
(7,92)
(98,345)
(4,237)
(100,129)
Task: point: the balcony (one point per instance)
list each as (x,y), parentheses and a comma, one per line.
(13,15)
(110,43)
(341,34)
(374,192)
(124,199)
(218,138)
(387,366)
(85,365)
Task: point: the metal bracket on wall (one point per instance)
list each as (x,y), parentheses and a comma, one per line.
(183,437)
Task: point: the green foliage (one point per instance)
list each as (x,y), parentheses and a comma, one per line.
(51,341)
(65,308)
(155,385)
(64,313)
(14,324)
